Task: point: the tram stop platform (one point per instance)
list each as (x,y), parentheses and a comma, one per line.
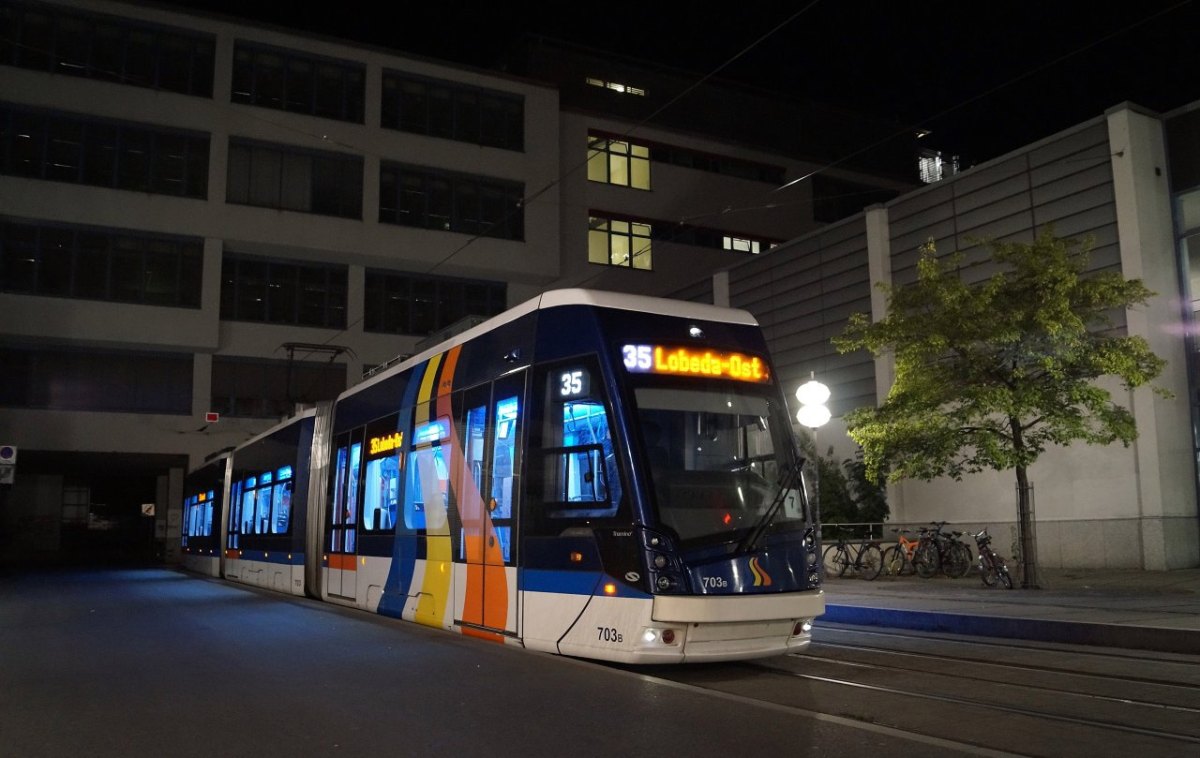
(1146,610)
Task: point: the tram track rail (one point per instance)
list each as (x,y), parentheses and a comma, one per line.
(1020,698)
(992,706)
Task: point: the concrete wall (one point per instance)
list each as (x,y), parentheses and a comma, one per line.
(1108,506)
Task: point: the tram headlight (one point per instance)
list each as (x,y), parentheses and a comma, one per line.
(660,561)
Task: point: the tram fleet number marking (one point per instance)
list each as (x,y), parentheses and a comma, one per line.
(713,582)
(608,634)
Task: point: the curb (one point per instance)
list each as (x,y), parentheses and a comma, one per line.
(1040,630)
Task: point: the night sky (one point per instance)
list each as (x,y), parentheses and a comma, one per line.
(985,78)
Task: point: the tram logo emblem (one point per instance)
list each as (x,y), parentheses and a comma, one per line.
(632,576)
(761,577)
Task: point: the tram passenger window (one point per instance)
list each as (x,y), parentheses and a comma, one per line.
(350,507)
(208,514)
(281,508)
(576,474)
(427,492)
(339,485)
(381,490)
(381,475)
(248,507)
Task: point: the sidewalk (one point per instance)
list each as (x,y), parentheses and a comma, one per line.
(1147,610)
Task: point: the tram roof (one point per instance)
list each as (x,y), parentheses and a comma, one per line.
(573,297)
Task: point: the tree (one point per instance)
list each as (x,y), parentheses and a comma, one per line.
(845,495)
(991,373)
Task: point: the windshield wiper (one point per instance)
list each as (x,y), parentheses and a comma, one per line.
(750,541)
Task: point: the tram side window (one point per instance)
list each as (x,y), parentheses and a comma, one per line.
(281,501)
(248,506)
(577,469)
(207,518)
(427,492)
(343,532)
(235,515)
(381,481)
(262,500)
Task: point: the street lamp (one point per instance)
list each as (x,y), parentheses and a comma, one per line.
(814,414)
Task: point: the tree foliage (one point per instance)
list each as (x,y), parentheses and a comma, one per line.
(991,373)
(845,494)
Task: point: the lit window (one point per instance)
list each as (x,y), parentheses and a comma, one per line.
(742,245)
(615,86)
(613,161)
(614,242)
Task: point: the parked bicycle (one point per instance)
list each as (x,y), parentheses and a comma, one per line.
(898,559)
(938,550)
(865,558)
(992,567)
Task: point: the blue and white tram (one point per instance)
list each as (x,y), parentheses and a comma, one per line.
(592,474)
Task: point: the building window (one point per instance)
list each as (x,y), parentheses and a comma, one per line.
(615,242)
(290,81)
(614,161)
(254,388)
(429,199)
(624,89)
(741,244)
(101,381)
(106,48)
(453,111)
(717,164)
(934,167)
(100,264)
(62,147)
(403,304)
(281,292)
(272,176)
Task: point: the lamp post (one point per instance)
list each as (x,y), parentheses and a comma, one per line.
(814,414)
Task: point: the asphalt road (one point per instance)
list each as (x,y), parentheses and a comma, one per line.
(155,662)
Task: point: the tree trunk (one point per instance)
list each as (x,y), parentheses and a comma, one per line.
(1025,526)
(1029,579)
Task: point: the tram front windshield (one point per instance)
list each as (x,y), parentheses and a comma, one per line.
(718,461)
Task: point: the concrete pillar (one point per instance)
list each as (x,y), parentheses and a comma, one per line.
(1166,486)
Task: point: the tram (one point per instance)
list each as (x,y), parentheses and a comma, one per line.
(592,474)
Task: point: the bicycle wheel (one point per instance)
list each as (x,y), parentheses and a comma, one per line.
(987,570)
(926,560)
(893,561)
(957,561)
(870,562)
(829,561)
(1002,572)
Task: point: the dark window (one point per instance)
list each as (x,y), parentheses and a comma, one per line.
(271,176)
(716,164)
(269,389)
(292,81)
(453,111)
(283,292)
(72,42)
(402,304)
(105,381)
(100,264)
(67,148)
(430,199)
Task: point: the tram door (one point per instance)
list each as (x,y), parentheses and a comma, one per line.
(492,427)
(341,531)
